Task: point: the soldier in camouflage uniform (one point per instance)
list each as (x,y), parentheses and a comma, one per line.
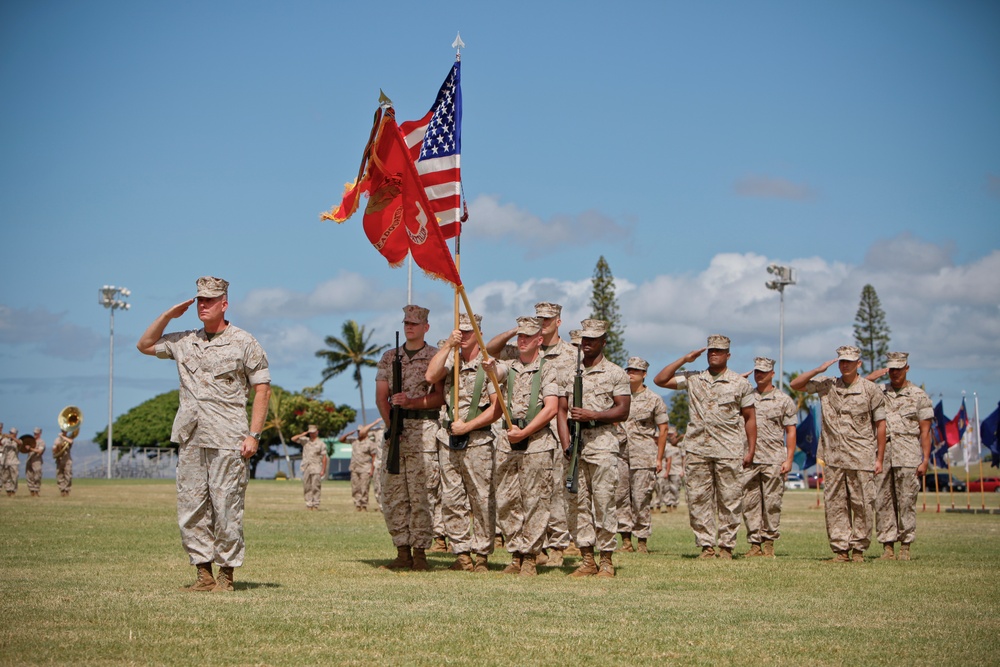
(764,481)
(646,429)
(376,436)
(218,365)
(64,464)
(33,466)
(314,462)
(10,465)
(561,355)
(524,479)
(908,413)
(606,401)
(853,442)
(722,409)
(668,473)
(466,448)
(407,496)
(364,454)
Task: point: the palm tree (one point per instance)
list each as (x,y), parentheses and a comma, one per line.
(352,350)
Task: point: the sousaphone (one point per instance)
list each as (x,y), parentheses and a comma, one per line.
(70,420)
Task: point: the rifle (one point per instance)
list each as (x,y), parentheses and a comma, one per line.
(395,415)
(575,429)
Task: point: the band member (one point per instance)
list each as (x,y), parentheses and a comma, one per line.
(10,465)
(33,466)
(64,463)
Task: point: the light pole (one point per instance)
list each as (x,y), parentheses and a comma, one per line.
(783,275)
(112,298)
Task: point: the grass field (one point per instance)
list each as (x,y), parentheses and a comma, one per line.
(94,578)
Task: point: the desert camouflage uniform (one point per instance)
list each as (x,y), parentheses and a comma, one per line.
(763,483)
(33,467)
(313,452)
(468,497)
(849,451)
(897,486)
(363,454)
(592,512)
(64,467)
(635,488)
(11,465)
(410,497)
(668,485)
(377,439)
(211,424)
(524,479)
(715,444)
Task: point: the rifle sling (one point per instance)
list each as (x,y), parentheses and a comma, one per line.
(534,406)
(477,393)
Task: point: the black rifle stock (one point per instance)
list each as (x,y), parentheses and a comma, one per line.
(575,430)
(395,415)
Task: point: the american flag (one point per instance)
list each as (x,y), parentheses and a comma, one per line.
(435,143)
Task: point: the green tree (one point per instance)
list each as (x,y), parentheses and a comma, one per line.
(146,425)
(870,330)
(604,306)
(802,399)
(354,349)
(679,411)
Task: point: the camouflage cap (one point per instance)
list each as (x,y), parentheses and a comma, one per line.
(38,429)
(574,337)
(313,428)
(718,342)
(210,287)
(415,314)
(897,359)
(593,328)
(465,324)
(546,309)
(13,431)
(763,364)
(529,326)
(848,353)
(638,363)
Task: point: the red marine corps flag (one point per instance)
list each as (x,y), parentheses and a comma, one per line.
(398,218)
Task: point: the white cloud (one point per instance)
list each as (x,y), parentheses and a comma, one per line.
(344,293)
(48,333)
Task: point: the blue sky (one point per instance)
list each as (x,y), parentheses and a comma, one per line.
(691,144)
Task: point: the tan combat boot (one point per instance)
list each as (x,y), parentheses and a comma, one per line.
(555,558)
(641,547)
(887,552)
(768,548)
(725,553)
(440,545)
(904,552)
(571,550)
(754,551)
(205,580)
(542,557)
(858,556)
(404,561)
(481,563)
(498,542)
(515,564)
(587,566)
(463,563)
(607,568)
(707,552)
(419,561)
(528,565)
(627,543)
(224,582)
(839,557)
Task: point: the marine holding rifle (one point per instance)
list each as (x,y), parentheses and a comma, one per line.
(406,502)
(524,479)
(466,448)
(606,399)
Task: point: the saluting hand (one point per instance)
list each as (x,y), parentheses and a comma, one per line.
(178,310)
(693,354)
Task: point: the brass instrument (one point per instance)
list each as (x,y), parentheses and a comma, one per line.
(70,419)
(27,444)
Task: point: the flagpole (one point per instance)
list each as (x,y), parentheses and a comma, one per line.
(457,364)
(486,355)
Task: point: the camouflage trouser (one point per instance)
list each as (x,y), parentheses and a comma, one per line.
(557,533)
(33,473)
(8,476)
(715,499)
(634,501)
(524,489)
(673,494)
(377,479)
(593,513)
(64,473)
(468,502)
(896,492)
(763,488)
(211,487)
(849,500)
(312,484)
(406,503)
(360,482)
(433,465)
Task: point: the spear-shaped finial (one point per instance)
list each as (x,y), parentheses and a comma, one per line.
(458,45)
(383,100)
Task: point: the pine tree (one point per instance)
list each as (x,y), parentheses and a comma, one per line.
(679,411)
(604,306)
(870,330)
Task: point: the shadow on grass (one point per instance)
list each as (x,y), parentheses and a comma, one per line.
(250,585)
